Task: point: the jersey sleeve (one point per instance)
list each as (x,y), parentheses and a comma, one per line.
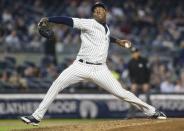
(82,24)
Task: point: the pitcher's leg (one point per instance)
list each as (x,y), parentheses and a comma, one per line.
(105,79)
(66,78)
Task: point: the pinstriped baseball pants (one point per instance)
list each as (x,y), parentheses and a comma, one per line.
(99,74)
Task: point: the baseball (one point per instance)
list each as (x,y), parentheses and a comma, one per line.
(127,44)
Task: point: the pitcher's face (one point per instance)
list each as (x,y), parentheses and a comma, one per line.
(99,14)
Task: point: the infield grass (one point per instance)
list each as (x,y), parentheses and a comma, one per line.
(14,124)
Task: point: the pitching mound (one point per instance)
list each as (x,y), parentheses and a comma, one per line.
(120,125)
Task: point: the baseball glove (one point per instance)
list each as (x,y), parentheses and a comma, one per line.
(45,29)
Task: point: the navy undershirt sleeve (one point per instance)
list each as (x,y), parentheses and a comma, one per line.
(112,39)
(61,20)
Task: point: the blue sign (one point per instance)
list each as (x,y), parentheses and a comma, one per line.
(84,106)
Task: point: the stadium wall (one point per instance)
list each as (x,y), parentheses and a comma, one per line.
(85,105)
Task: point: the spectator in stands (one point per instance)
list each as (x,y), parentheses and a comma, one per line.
(167,85)
(36,43)
(2,31)
(158,73)
(155,79)
(179,87)
(31,76)
(181,55)
(29,71)
(51,73)
(13,41)
(7,16)
(1,80)
(4,79)
(17,82)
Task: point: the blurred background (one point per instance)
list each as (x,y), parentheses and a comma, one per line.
(30,63)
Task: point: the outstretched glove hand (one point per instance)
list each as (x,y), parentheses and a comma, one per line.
(125,43)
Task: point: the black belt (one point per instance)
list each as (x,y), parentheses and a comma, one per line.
(81,60)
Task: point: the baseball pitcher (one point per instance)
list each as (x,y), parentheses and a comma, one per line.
(90,63)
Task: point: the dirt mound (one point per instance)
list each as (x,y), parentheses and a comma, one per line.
(121,125)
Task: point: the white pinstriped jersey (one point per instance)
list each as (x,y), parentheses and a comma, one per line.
(94,40)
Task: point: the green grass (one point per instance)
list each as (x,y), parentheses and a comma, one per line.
(8,125)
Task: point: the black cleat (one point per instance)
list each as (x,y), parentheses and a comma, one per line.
(159,115)
(30,120)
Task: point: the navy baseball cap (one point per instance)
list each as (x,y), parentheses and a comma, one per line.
(98,4)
